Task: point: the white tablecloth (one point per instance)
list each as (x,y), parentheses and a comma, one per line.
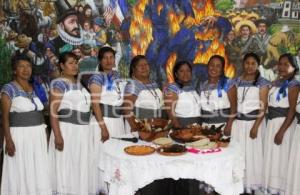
(126,173)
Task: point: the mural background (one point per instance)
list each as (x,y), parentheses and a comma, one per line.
(163,30)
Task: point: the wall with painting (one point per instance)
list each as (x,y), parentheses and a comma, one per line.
(163,30)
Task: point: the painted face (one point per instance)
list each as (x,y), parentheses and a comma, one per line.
(88,13)
(230,36)
(262,28)
(70,67)
(142,69)
(215,68)
(86,26)
(71,25)
(285,68)
(23,70)
(250,66)
(77,52)
(108,61)
(184,74)
(245,31)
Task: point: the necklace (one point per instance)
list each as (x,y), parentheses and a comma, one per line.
(207,91)
(245,91)
(29,94)
(153,92)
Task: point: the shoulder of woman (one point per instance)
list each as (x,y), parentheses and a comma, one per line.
(9,89)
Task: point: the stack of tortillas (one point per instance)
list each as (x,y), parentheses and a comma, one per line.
(163,141)
(202,144)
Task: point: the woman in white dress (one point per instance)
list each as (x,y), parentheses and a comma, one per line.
(218,96)
(280,127)
(107,89)
(69,117)
(183,103)
(143,100)
(252,93)
(182,98)
(293,178)
(25,164)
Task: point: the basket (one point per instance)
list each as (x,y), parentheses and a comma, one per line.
(150,135)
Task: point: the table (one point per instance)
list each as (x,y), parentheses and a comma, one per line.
(126,173)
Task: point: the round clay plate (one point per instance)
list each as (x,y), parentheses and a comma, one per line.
(139,150)
(165,150)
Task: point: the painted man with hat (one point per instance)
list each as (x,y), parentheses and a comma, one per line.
(245,42)
(68,27)
(262,38)
(101,37)
(279,39)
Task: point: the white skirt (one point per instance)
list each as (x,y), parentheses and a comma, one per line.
(116,128)
(253,151)
(276,157)
(27,172)
(70,166)
(293,178)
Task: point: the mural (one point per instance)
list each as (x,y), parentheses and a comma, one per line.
(163,30)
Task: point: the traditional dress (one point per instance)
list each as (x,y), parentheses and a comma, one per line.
(149,102)
(187,106)
(214,101)
(293,178)
(276,157)
(248,108)
(70,166)
(27,172)
(112,90)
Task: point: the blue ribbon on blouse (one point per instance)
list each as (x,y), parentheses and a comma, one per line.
(40,91)
(282,90)
(222,84)
(109,82)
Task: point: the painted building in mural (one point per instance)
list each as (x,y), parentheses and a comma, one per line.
(164,31)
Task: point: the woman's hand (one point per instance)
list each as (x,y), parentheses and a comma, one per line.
(253,132)
(10,147)
(279,137)
(104,133)
(227,130)
(59,143)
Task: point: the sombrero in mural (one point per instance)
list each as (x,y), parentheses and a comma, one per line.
(231,15)
(252,16)
(236,19)
(244,13)
(245,23)
(23,41)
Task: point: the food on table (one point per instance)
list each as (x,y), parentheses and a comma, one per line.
(172,150)
(139,150)
(199,143)
(163,141)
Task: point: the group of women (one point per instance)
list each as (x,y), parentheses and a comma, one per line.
(83,116)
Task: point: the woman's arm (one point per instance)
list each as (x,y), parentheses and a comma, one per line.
(96,97)
(232,96)
(55,100)
(9,144)
(170,99)
(292,96)
(263,97)
(128,105)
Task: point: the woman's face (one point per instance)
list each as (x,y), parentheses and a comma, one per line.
(250,66)
(215,68)
(108,61)
(142,69)
(70,67)
(23,70)
(184,74)
(285,68)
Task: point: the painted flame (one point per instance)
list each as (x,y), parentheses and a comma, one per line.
(169,67)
